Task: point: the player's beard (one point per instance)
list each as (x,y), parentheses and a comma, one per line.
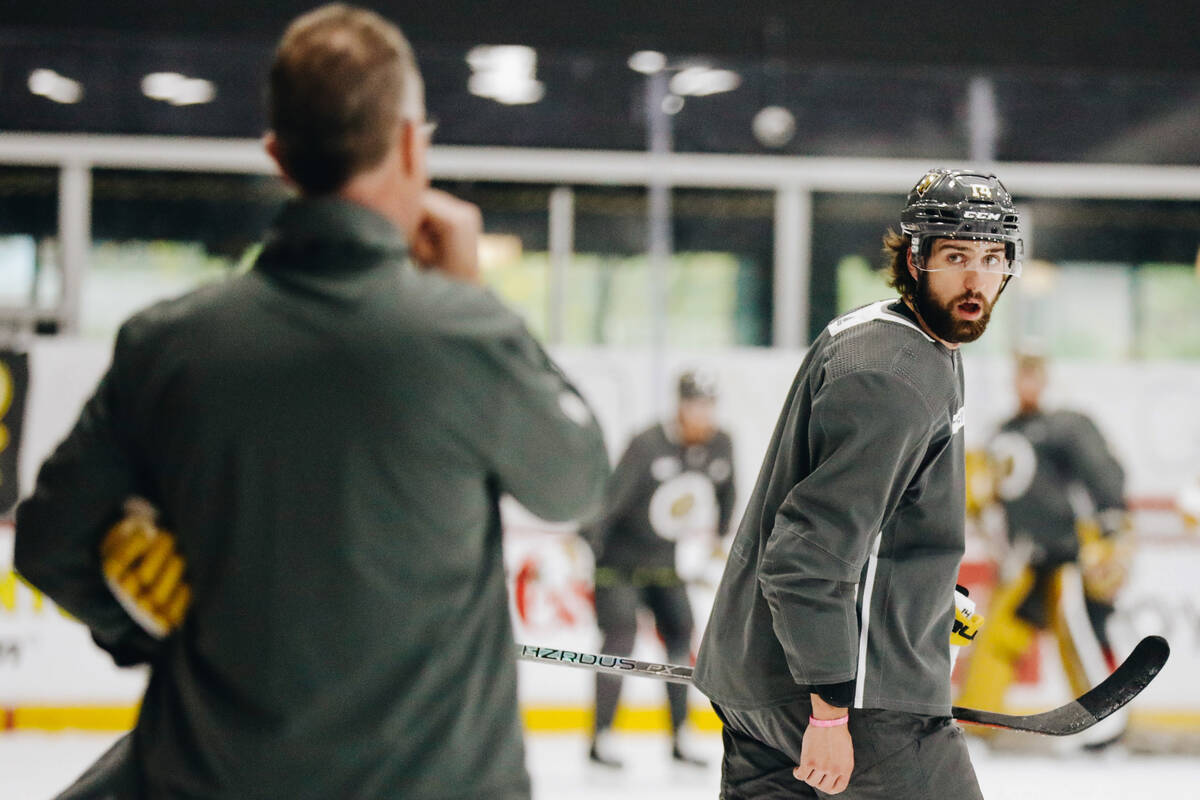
(939,316)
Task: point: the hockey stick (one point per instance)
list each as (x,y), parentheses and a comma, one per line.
(1124,684)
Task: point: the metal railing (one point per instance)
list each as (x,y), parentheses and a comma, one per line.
(793,179)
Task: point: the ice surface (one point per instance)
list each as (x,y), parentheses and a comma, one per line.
(35,766)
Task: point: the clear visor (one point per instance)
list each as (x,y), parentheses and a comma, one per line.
(978,255)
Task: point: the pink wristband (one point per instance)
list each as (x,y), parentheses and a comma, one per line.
(828,723)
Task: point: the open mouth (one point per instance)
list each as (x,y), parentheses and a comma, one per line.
(970,308)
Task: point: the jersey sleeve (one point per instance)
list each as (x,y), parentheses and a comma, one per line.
(79,493)
(1092,463)
(543,441)
(726,489)
(867,436)
(620,493)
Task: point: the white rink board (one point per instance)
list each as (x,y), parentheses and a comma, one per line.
(1143,409)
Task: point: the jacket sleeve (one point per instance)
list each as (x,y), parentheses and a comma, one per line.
(78,495)
(545,444)
(867,437)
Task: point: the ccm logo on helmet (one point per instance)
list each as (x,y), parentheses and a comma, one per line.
(980,215)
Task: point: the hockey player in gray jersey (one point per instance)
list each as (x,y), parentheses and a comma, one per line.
(674,480)
(826,654)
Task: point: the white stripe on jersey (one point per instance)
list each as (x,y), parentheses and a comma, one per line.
(868,589)
(869,313)
(959,420)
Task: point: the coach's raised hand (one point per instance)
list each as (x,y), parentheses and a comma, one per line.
(447,237)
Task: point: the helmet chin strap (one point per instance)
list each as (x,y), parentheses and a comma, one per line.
(1000,291)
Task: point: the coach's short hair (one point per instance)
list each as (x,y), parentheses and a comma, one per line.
(342,80)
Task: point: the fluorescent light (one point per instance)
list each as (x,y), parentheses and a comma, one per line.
(177,89)
(505,73)
(49,84)
(647,62)
(701,81)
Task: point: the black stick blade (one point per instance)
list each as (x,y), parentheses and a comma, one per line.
(1125,683)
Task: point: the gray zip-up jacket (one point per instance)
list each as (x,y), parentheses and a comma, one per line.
(328,436)
(843,568)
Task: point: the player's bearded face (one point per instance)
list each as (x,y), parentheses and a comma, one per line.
(961,317)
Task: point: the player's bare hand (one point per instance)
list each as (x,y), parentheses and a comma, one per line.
(826,759)
(826,754)
(447,237)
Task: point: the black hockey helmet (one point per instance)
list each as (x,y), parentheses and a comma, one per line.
(697,385)
(960,204)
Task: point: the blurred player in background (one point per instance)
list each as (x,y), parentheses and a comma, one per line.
(328,437)
(675,480)
(1063,495)
(827,654)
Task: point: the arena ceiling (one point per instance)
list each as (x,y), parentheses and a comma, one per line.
(1122,35)
(1115,81)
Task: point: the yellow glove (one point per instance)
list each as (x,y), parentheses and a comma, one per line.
(144,572)
(1104,559)
(981,482)
(966,623)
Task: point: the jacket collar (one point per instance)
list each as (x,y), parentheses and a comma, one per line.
(325,232)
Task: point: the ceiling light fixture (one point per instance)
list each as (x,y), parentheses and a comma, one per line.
(505,73)
(647,62)
(177,89)
(49,84)
(702,81)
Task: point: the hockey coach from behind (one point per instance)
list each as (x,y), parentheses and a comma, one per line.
(327,436)
(827,654)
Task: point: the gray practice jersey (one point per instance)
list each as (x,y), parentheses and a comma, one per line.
(843,568)
(1053,465)
(661,491)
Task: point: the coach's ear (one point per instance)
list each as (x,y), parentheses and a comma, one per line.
(271,145)
(908,259)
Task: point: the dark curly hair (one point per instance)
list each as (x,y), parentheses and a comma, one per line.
(895,254)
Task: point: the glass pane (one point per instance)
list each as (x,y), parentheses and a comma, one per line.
(1074,309)
(29,274)
(514,253)
(160,234)
(847,253)
(718,280)
(1168,296)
